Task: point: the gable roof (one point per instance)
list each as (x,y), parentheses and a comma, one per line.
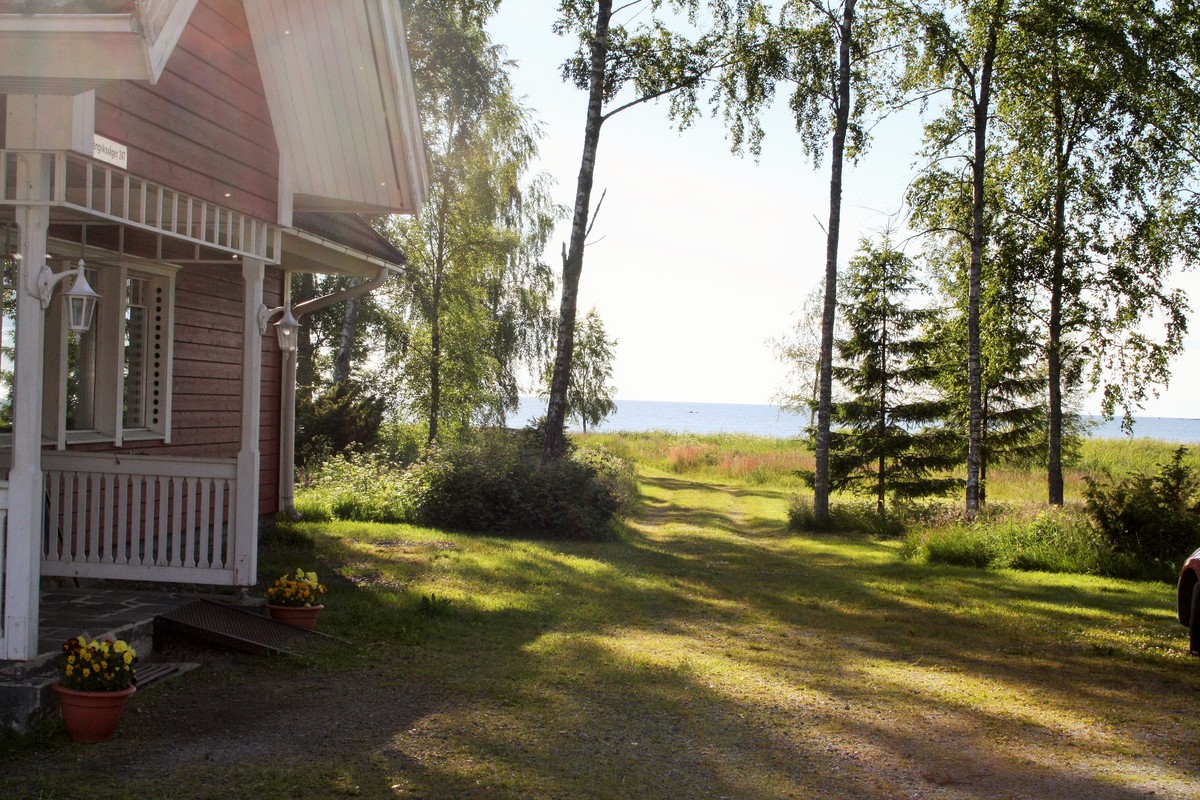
(335,72)
(340,91)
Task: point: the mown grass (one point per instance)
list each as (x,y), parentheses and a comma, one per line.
(709,653)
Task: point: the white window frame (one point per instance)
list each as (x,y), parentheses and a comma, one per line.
(108,327)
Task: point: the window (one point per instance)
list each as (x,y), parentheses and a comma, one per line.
(111,384)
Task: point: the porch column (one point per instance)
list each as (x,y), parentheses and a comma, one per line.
(246,542)
(25,492)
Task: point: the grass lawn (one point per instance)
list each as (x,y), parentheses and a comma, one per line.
(708,654)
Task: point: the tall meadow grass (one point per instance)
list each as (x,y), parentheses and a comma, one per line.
(1015,530)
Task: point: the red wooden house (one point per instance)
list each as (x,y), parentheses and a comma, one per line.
(191,154)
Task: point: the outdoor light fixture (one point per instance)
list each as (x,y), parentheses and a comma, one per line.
(81,303)
(287,329)
(80,298)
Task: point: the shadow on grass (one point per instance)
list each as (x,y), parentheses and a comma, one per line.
(708,654)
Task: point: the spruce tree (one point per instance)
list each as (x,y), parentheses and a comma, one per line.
(885,443)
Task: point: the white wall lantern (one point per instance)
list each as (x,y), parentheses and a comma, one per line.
(81,303)
(80,299)
(287,329)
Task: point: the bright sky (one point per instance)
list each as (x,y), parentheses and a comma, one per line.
(699,257)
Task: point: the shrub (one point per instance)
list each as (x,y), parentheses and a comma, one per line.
(960,546)
(1054,540)
(489,482)
(362,487)
(493,482)
(345,418)
(1153,518)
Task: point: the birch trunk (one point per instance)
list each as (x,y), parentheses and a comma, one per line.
(556,411)
(975,271)
(829,312)
(345,352)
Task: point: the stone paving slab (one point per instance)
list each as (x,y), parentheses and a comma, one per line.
(70,612)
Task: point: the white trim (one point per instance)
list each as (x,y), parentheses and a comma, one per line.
(73,53)
(23,557)
(307,252)
(102,191)
(108,390)
(245,556)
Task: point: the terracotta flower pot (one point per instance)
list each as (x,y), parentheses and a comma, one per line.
(92,716)
(298,616)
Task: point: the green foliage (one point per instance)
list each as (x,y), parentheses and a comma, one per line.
(489,482)
(1153,518)
(844,517)
(494,483)
(589,393)
(471,314)
(345,418)
(885,445)
(1055,540)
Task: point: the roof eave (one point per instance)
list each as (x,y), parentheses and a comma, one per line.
(307,252)
(73,53)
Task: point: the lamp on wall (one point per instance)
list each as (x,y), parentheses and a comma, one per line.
(80,299)
(287,329)
(81,303)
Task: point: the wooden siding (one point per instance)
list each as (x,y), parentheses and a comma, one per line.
(207,392)
(204,128)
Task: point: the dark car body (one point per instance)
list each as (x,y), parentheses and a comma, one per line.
(1188,598)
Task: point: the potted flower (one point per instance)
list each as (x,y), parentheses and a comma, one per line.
(295,599)
(95,681)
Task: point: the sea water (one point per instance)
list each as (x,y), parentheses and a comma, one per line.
(769,420)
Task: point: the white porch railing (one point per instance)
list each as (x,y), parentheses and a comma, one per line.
(140,517)
(100,190)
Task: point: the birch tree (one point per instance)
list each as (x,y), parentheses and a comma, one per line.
(962,46)
(1106,201)
(834,59)
(590,394)
(620,67)
(475,293)
(472,310)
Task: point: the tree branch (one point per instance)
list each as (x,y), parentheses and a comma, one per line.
(595,214)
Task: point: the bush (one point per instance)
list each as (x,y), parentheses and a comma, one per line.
(1153,518)
(346,418)
(361,487)
(959,546)
(490,482)
(493,482)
